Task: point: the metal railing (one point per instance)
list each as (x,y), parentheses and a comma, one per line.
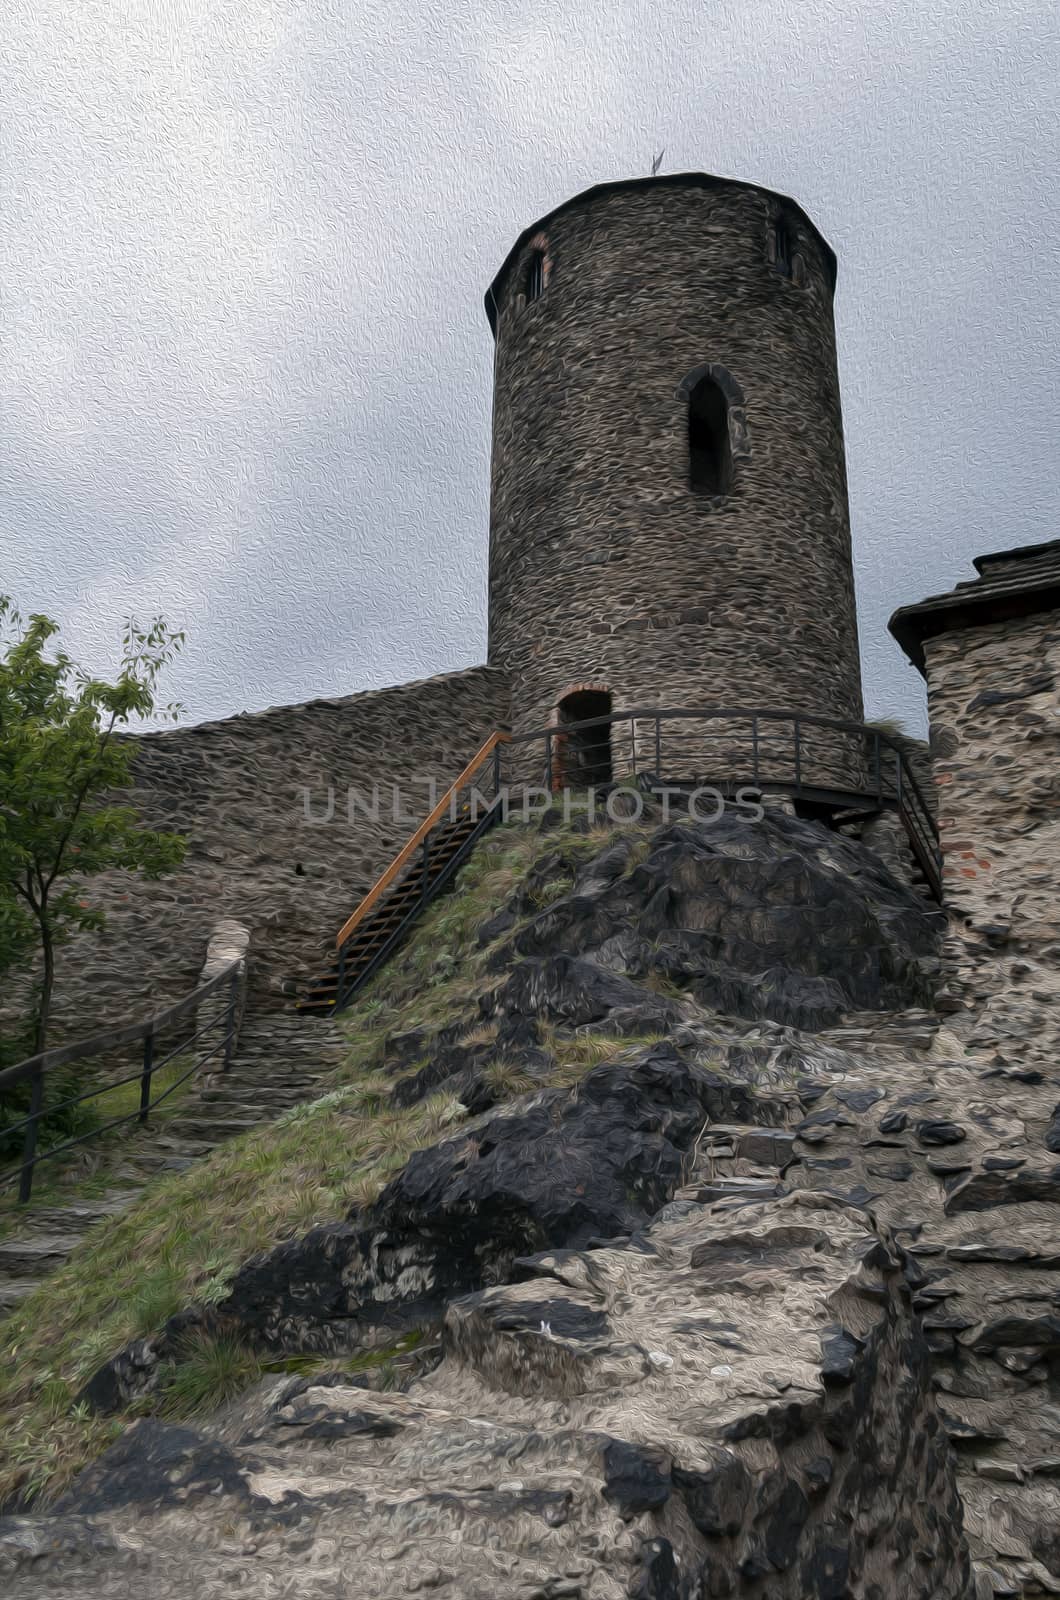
(446,810)
(836,768)
(831,765)
(463,797)
(223,1018)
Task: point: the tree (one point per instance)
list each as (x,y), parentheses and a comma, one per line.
(62,760)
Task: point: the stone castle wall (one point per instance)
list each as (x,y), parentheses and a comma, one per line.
(607,569)
(994,698)
(235,790)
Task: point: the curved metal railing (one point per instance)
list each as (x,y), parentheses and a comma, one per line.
(828,763)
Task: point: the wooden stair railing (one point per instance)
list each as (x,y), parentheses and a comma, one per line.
(383,882)
(863,771)
(398,896)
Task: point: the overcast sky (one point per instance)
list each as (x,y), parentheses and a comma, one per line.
(245,369)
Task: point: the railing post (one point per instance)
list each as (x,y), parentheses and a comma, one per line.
(145,1074)
(633,746)
(496,771)
(658,748)
(340,977)
(754,747)
(29,1143)
(230,1019)
(549,784)
(426,867)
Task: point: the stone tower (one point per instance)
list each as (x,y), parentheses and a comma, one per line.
(669,521)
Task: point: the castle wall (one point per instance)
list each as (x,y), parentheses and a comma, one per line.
(606,568)
(994,700)
(235,789)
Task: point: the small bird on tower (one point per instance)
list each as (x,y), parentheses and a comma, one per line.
(656,164)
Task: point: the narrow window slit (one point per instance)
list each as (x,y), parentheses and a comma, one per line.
(535,277)
(709,451)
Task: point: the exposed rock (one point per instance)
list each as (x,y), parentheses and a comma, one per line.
(594,1430)
(676,1220)
(553,1168)
(781,920)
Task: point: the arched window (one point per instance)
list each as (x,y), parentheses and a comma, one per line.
(783,248)
(709,449)
(535,276)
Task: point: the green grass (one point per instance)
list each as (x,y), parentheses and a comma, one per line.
(186,1237)
(87,1171)
(210,1370)
(577,1053)
(207,1372)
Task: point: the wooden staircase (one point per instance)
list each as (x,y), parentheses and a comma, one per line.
(425,866)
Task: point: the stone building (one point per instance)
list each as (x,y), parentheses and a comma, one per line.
(669,528)
(990,652)
(289,815)
(669,521)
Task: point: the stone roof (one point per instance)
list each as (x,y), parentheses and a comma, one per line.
(679,180)
(1011,583)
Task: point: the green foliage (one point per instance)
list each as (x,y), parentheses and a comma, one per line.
(208,1372)
(547,893)
(59,1119)
(60,766)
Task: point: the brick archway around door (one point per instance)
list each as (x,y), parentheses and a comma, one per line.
(593,757)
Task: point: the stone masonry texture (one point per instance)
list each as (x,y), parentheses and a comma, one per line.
(994,695)
(606,568)
(235,789)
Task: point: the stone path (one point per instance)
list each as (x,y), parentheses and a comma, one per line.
(594,1432)
(949,1152)
(282,1060)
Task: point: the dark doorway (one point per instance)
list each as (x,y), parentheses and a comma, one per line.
(709,455)
(587,752)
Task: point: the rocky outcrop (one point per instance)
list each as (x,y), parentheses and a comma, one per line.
(735,1314)
(781,920)
(733,1401)
(962,1177)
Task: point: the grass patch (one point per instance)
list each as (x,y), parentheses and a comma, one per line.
(86,1171)
(207,1373)
(183,1241)
(187,1235)
(507,1078)
(578,1053)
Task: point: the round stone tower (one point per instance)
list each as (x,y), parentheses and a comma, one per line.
(669,521)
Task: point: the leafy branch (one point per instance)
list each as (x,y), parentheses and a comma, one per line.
(61,767)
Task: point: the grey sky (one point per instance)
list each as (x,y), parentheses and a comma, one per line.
(245,371)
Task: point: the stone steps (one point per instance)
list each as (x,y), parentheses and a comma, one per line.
(35,1254)
(282,1061)
(245,1092)
(210,1130)
(79,1216)
(13,1291)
